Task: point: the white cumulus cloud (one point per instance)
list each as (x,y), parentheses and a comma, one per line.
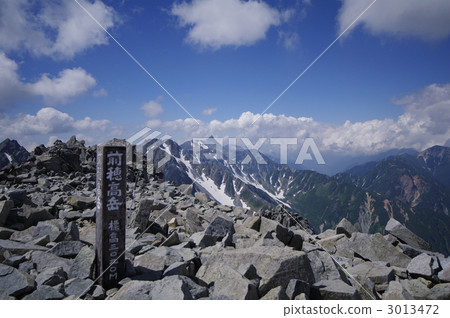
(48,121)
(424,123)
(427,20)
(217,23)
(54,90)
(69,83)
(58,28)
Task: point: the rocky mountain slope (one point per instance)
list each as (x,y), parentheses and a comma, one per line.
(11,151)
(183,245)
(420,183)
(365,199)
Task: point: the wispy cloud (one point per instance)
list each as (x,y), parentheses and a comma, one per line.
(209,111)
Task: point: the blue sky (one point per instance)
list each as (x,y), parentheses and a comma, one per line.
(384,84)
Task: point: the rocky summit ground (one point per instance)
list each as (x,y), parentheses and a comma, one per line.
(182,245)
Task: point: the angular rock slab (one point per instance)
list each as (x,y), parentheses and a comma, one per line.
(14,282)
(44,293)
(405,235)
(334,290)
(229,283)
(396,291)
(374,247)
(169,288)
(378,274)
(345,227)
(275,265)
(421,266)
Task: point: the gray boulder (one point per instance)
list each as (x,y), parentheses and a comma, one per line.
(81,202)
(334,290)
(34,215)
(140,216)
(6,233)
(19,248)
(421,266)
(345,227)
(405,235)
(297,287)
(51,276)
(134,290)
(228,282)
(43,261)
(276,266)
(277,293)
(44,293)
(78,287)
(376,273)
(252,222)
(324,267)
(84,264)
(376,248)
(14,282)
(396,291)
(5,207)
(169,288)
(444,275)
(216,231)
(67,249)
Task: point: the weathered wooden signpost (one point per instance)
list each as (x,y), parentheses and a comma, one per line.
(111,212)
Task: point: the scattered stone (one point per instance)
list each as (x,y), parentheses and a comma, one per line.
(421,265)
(378,274)
(396,291)
(405,235)
(170,288)
(5,233)
(80,202)
(14,282)
(216,231)
(229,283)
(202,197)
(376,248)
(67,249)
(5,207)
(297,287)
(35,215)
(44,293)
(444,275)
(329,243)
(84,264)
(43,261)
(334,290)
(19,248)
(173,239)
(277,293)
(276,266)
(345,227)
(51,276)
(252,222)
(78,287)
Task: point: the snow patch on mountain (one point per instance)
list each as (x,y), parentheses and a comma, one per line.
(8,156)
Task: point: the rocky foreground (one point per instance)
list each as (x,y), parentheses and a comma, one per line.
(182,245)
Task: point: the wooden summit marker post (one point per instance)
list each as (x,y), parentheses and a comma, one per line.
(111,212)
